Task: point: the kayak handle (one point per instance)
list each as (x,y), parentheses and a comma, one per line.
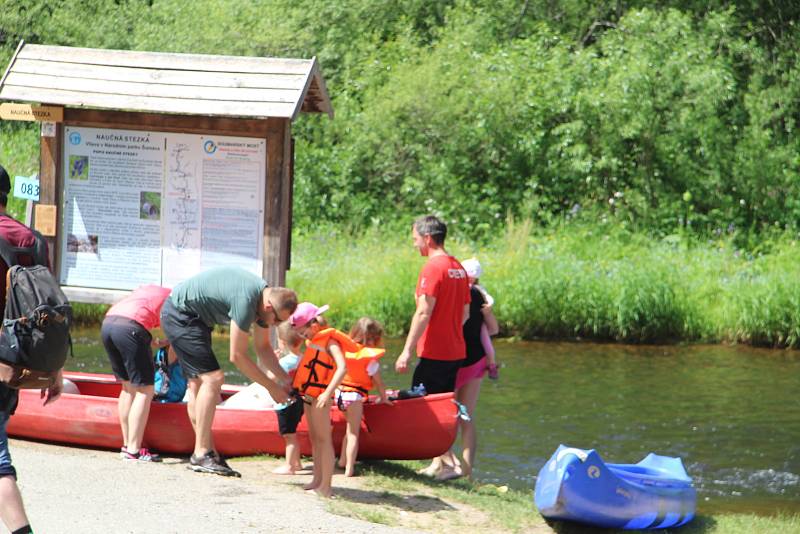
(580,453)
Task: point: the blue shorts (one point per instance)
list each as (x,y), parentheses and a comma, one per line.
(6,469)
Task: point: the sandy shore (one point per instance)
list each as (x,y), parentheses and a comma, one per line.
(71,490)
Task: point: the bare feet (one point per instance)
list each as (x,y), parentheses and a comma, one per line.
(429,471)
(311,486)
(350,472)
(284,470)
(325,494)
(449,473)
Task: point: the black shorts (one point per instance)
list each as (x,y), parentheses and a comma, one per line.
(289,417)
(191,339)
(127,344)
(438,376)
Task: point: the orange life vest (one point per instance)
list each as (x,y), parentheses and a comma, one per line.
(357,378)
(317,367)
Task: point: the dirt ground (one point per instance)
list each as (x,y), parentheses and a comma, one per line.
(83,491)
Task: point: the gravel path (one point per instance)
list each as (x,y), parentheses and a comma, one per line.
(84,491)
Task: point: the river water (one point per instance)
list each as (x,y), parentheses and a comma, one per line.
(731,413)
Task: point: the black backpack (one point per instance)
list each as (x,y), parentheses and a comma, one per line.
(34,340)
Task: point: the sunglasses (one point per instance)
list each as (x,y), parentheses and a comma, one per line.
(273,318)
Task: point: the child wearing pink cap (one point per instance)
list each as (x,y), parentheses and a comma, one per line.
(317,376)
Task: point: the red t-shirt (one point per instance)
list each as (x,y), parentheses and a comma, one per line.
(143,305)
(445,279)
(18,235)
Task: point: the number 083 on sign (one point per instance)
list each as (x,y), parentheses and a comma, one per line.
(25,187)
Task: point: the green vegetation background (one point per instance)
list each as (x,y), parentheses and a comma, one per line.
(646,150)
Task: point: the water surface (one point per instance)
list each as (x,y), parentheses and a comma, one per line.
(731,413)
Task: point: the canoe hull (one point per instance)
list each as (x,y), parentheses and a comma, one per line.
(576,485)
(411,429)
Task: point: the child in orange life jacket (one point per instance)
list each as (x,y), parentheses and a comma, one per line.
(319,374)
(290,344)
(363,370)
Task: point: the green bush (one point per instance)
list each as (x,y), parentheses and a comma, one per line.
(658,115)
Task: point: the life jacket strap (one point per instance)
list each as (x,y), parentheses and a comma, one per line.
(313,377)
(358,388)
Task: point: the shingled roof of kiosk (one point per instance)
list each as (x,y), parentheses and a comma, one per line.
(231,86)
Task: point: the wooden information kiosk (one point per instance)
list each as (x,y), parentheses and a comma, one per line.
(157,166)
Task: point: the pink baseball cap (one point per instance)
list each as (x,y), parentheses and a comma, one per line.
(305,312)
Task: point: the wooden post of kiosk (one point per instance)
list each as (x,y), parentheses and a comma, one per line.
(47,213)
(276,222)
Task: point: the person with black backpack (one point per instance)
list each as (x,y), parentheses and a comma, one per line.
(27,247)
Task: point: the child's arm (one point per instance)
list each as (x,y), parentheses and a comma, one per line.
(488,329)
(489,320)
(341,369)
(381,387)
(486,341)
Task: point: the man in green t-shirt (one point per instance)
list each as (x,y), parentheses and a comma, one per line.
(221,296)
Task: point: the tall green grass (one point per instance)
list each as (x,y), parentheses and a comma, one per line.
(567,283)
(588,282)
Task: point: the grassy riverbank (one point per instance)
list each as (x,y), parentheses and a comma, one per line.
(576,281)
(393,494)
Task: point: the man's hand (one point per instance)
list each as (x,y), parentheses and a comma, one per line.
(52,393)
(419,322)
(401,365)
(279,392)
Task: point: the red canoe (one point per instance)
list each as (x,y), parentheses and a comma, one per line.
(410,429)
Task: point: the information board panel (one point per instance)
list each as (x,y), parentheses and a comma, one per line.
(155,207)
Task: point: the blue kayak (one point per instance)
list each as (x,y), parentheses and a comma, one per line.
(576,485)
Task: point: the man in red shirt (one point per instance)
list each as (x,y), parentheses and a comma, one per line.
(437,325)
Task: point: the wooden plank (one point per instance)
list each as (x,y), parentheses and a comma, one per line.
(49,187)
(125,120)
(11,63)
(29,112)
(290,216)
(162,60)
(321,90)
(93,295)
(275,207)
(153,89)
(165,105)
(306,85)
(164,77)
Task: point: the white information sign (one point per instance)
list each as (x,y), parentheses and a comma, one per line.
(27,188)
(155,207)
